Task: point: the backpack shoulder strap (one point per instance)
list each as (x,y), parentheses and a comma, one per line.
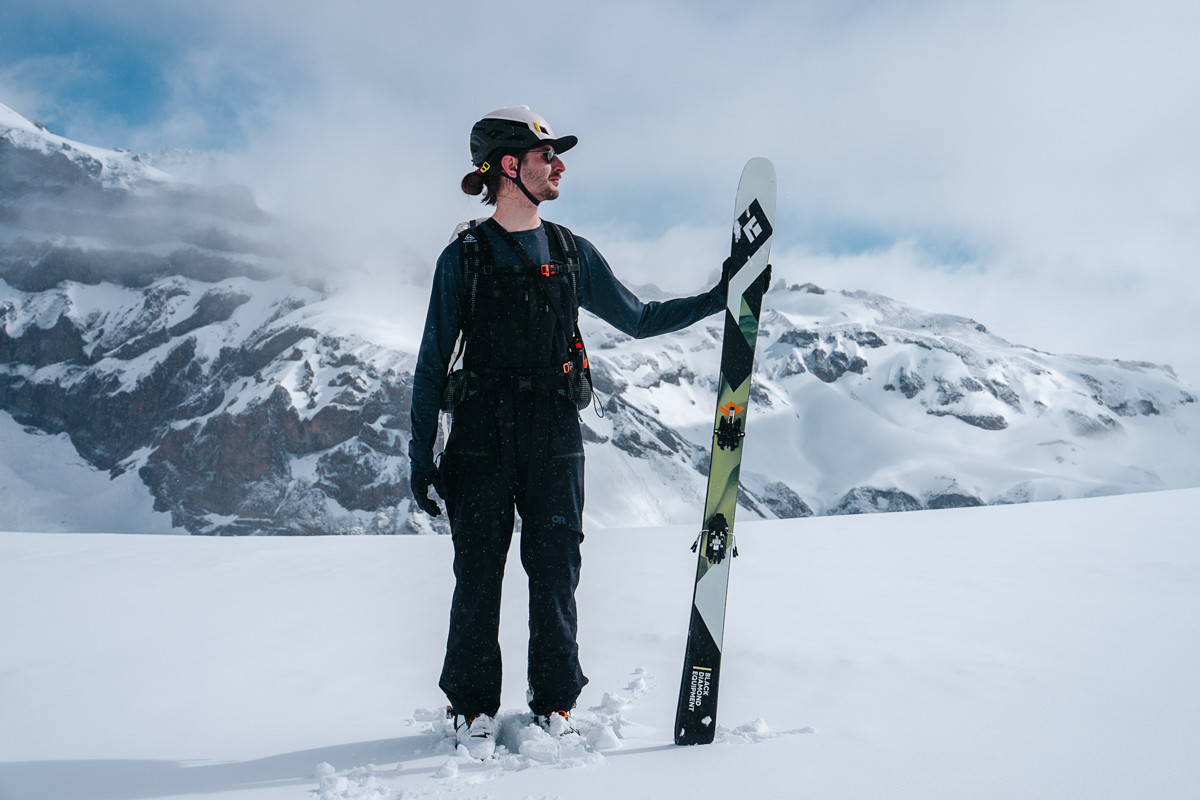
(474,255)
(563,245)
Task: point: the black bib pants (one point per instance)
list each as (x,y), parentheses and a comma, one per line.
(515,443)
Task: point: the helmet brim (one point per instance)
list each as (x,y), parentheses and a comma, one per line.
(561,144)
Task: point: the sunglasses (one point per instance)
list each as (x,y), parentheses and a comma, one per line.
(548,154)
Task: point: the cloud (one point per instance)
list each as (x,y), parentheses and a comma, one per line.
(1030,164)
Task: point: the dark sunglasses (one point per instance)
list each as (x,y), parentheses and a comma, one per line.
(548,154)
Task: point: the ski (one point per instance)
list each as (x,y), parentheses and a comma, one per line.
(754,211)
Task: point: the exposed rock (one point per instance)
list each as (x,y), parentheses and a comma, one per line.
(987,422)
(953,499)
(910,383)
(759,396)
(1091,427)
(1021,493)
(640,434)
(217,305)
(41,267)
(800,338)
(590,435)
(870,500)
(747,499)
(792,366)
(1132,409)
(605,379)
(256,355)
(948,392)
(39,347)
(830,367)
(359,478)
(868,339)
(786,504)
(1003,392)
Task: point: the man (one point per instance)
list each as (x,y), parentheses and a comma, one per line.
(515,439)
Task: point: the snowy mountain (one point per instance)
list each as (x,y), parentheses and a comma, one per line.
(158,324)
(861,403)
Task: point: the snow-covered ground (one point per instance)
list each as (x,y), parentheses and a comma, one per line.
(1044,650)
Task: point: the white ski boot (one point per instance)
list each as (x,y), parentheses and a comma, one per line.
(477,733)
(557,723)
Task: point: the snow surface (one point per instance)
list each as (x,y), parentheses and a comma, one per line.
(45,485)
(1039,650)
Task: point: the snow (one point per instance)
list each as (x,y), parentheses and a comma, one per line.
(1120,426)
(118,168)
(1042,650)
(45,485)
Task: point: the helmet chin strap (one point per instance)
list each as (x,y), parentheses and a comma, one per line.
(521,184)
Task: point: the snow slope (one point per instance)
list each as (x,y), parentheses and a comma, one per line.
(1037,650)
(112,168)
(45,485)
(861,403)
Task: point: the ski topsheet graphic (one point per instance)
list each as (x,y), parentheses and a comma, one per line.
(754,211)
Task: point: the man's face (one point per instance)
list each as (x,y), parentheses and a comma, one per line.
(541,176)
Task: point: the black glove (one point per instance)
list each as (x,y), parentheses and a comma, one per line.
(728,264)
(422,479)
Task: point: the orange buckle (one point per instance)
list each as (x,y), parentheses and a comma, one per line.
(566,367)
(546,270)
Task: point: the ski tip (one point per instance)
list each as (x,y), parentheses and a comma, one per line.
(759,168)
(757,183)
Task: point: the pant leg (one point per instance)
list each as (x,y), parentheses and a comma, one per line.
(551,533)
(480,507)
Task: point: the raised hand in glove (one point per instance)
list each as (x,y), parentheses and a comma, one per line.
(727,265)
(422,479)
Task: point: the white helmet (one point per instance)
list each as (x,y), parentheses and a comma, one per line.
(510,131)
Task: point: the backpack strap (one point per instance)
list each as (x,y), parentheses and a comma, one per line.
(474,252)
(570,325)
(474,257)
(561,236)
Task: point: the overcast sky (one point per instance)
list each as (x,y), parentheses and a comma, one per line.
(1032,165)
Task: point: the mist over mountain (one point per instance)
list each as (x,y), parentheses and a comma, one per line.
(170,331)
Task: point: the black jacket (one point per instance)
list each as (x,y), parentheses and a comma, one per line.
(599,292)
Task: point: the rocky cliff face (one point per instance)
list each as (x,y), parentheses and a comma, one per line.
(149,319)
(146,319)
(237,414)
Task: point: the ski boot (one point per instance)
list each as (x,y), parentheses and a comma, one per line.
(556,723)
(475,732)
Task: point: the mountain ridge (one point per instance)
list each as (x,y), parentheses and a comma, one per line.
(158,323)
